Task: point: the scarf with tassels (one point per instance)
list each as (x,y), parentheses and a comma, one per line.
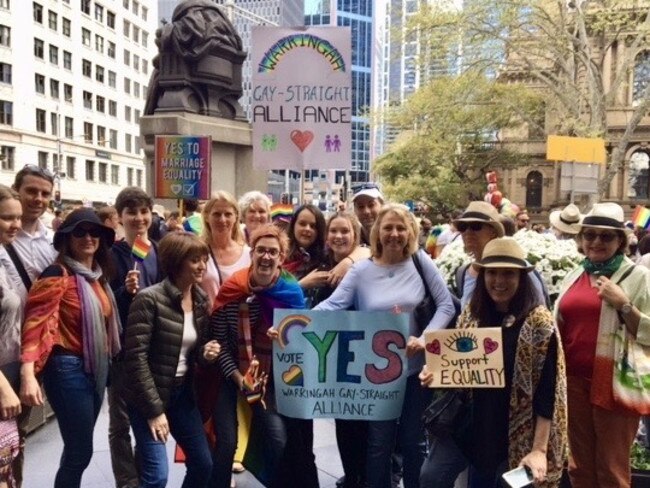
(101,337)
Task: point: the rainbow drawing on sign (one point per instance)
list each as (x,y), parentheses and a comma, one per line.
(289,323)
(293,376)
(272,57)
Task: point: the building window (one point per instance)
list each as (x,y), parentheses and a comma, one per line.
(136,62)
(40,120)
(85,6)
(125,4)
(7,156)
(111,50)
(54,123)
(88,132)
(129,176)
(135,7)
(85,36)
(127,58)
(70,166)
(86,68)
(88,100)
(99,43)
(38,12)
(101,135)
(69,130)
(54,88)
(52,20)
(5,36)
(534,185)
(127,113)
(54,55)
(5,73)
(5,4)
(67,92)
(136,116)
(112,79)
(127,28)
(136,34)
(66,27)
(128,143)
(42,159)
(127,85)
(112,141)
(103,170)
(145,39)
(90,170)
(99,12)
(115,174)
(39,48)
(136,89)
(139,177)
(39,83)
(637,174)
(67,60)
(145,13)
(112,108)
(110,19)
(99,74)
(6,112)
(145,66)
(100,104)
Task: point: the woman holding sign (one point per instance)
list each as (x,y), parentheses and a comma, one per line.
(524,423)
(390,281)
(603,313)
(243,313)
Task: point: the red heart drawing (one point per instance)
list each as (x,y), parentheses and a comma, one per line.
(434,346)
(302,139)
(489,345)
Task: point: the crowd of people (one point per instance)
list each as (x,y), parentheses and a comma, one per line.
(172,319)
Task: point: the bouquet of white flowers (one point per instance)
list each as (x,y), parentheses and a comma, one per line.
(553,258)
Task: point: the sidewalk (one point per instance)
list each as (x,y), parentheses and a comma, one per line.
(44,450)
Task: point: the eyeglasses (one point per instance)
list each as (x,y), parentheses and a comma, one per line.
(271,251)
(605,237)
(473,226)
(80,232)
(32,169)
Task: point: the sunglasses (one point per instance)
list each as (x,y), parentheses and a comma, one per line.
(605,237)
(473,226)
(272,252)
(32,169)
(365,186)
(80,232)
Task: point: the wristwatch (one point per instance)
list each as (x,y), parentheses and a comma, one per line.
(627,308)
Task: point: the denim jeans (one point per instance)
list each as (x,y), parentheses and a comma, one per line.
(187,429)
(409,434)
(123,459)
(443,464)
(76,403)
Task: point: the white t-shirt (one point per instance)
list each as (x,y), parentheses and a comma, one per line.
(210,282)
(189,339)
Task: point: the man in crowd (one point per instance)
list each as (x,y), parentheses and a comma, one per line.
(367,201)
(523,220)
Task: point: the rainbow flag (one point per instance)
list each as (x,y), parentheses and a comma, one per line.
(281,211)
(641,217)
(140,249)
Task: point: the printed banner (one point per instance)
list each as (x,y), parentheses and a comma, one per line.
(344,365)
(465,358)
(301,101)
(182,167)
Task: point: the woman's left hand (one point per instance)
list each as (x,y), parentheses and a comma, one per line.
(211,351)
(272,334)
(611,292)
(413,346)
(537,463)
(159,427)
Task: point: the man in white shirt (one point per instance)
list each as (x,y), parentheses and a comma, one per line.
(32,253)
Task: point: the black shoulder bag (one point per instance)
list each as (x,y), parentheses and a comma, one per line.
(424,311)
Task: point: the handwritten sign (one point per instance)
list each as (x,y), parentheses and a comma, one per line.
(182,167)
(344,365)
(465,358)
(301,107)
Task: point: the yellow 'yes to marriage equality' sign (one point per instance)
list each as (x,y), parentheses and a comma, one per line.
(466,358)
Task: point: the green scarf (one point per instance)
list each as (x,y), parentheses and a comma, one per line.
(608,268)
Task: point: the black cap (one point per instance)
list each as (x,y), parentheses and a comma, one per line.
(78,217)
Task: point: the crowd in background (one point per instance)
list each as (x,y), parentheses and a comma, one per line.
(169,315)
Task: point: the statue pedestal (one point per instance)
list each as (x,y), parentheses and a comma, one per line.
(232,148)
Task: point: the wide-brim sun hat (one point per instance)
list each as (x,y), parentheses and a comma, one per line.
(504,252)
(607,215)
(566,220)
(75,219)
(483,212)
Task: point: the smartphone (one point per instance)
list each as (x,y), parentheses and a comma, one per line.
(519,477)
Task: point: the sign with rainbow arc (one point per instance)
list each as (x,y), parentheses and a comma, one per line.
(344,365)
(301,107)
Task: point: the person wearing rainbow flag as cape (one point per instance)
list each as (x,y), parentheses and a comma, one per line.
(242,315)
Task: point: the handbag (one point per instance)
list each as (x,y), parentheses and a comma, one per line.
(450,415)
(631,383)
(424,311)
